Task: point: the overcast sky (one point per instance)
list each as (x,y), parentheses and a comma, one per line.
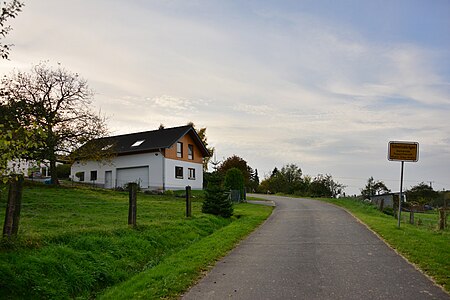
(322,84)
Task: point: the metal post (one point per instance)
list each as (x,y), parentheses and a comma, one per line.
(400,198)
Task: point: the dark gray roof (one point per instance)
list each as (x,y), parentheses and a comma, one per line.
(152,140)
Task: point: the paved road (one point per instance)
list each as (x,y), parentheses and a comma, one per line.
(312,250)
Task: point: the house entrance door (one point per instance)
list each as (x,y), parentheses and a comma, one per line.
(108,180)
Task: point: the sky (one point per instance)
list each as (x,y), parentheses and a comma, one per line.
(321,84)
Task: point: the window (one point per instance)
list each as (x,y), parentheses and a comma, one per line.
(137,143)
(93,175)
(107,147)
(80,176)
(191,173)
(190,151)
(179,172)
(179,149)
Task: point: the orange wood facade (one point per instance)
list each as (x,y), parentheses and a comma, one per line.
(186,140)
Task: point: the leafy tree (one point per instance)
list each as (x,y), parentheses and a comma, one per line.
(216,201)
(374,188)
(277,183)
(8,10)
(63,171)
(421,193)
(443,199)
(234,180)
(239,163)
(287,180)
(325,186)
(15,143)
(319,187)
(58,102)
(264,186)
(292,175)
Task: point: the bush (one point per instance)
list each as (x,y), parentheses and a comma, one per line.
(169,193)
(234,180)
(389,211)
(63,171)
(216,201)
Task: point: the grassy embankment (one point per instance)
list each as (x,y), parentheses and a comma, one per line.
(75,243)
(423,245)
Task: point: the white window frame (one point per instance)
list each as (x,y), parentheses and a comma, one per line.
(179,149)
(190,152)
(191,173)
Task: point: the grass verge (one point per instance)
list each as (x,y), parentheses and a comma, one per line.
(179,271)
(75,242)
(424,246)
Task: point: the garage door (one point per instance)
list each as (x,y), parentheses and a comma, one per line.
(139,175)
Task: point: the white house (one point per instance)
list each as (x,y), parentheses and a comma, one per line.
(389,199)
(163,159)
(29,168)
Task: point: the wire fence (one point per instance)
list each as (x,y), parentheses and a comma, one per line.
(429,219)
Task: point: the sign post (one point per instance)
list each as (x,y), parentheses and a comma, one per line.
(402,151)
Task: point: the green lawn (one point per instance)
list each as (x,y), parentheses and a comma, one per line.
(75,243)
(422,245)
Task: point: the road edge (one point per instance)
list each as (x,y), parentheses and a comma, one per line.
(389,245)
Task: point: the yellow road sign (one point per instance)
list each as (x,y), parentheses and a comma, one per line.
(403,151)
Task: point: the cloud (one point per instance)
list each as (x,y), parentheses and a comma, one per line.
(260,110)
(172,103)
(271,82)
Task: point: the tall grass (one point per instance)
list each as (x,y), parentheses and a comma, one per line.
(75,242)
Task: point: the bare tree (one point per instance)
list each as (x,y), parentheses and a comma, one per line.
(8,10)
(59,103)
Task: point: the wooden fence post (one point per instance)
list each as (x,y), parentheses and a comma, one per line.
(442,219)
(411,216)
(132,188)
(12,215)
(188,202)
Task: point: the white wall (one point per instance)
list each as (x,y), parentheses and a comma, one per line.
(154,161)
(173,183)
(23,166)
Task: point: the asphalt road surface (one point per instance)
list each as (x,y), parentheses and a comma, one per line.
(313,250)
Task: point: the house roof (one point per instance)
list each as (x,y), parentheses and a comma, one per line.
(148,141)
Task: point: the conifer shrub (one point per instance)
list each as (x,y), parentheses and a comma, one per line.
(216,201)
